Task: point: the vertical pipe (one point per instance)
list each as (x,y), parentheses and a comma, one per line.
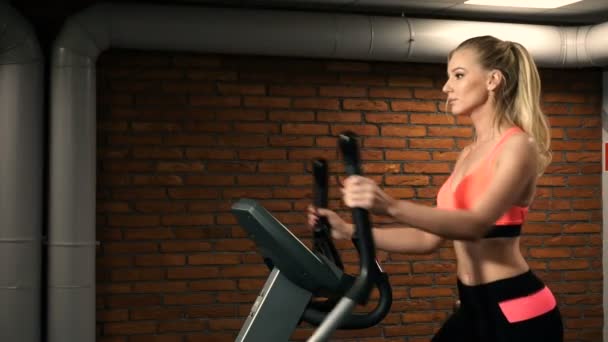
(71,282)
(21,167)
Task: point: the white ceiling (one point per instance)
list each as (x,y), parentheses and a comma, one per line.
(583,12)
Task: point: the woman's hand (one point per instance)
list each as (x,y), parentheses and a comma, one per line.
(361,192)
(340,230)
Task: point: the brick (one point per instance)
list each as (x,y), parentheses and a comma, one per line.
(122,328)
(430,94)
(254,193)
(340,116)
(112,315)
(407,155)
(431,292)
(316,103)
(262,154)
(110,126)
(211,311)
(133,220)
(423,317)
(191,140)
(147,234)
(188,299)
(431,143)
(280,167)
(311,154)
(382,168)
(367,105)
(342,91)
(392,92)
(404,131)
(193,193)
(407,180)
(186,220)
(125,301)
(410,81)
(386,118)
(156,338)
(112,207)
(384,142)
(432,119)
(460,132)
(243,141)
(191,87)
(267,102)
(210,180)
(241,89)
(288,141)
(288,90)
(571,264)
(413,106)
(264,128)
(211,259)
(563,97)
(197,153)
(582,228)
(231,167)
(550,252)
(211,337)
(304,129)
(363,79)
(275,115)
(209,127)
(419,167)
(114,261)
(170,180)
(192,272)
(160,287)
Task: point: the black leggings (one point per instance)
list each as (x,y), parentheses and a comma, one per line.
(480,317)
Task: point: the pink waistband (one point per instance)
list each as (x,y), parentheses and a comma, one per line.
(524,308)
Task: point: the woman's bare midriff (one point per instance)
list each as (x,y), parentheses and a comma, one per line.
(487,260)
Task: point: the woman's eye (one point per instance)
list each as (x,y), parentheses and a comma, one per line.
(458,76)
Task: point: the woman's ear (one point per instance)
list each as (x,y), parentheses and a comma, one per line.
(495,77)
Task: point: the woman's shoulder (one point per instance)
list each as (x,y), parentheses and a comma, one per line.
(519,146)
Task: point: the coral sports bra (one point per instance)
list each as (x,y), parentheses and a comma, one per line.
(466,193)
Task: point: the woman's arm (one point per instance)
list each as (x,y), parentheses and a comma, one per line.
(514,169)
(406,240)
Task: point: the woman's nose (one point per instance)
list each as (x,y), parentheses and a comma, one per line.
(446,87)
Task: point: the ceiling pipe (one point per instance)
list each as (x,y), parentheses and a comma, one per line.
(71,292)
(21,177)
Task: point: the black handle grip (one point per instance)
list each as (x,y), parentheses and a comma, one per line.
(321,187)
(363,232)
(322,242)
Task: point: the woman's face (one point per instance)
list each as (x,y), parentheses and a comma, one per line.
(467,87)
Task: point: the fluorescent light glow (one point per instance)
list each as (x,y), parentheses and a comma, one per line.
(522,3)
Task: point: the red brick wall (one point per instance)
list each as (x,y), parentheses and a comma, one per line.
(183,136)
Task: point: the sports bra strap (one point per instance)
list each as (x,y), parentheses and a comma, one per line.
(494,151)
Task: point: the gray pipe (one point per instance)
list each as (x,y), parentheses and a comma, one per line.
(180,28)
(21,162)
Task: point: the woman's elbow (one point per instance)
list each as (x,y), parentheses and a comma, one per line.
(479,229)
(433,243)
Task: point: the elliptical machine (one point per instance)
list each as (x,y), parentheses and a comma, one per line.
(299,274)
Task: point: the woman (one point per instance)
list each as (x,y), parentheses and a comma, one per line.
(484,202)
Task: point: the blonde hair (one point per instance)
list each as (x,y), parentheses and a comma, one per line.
(518,96)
